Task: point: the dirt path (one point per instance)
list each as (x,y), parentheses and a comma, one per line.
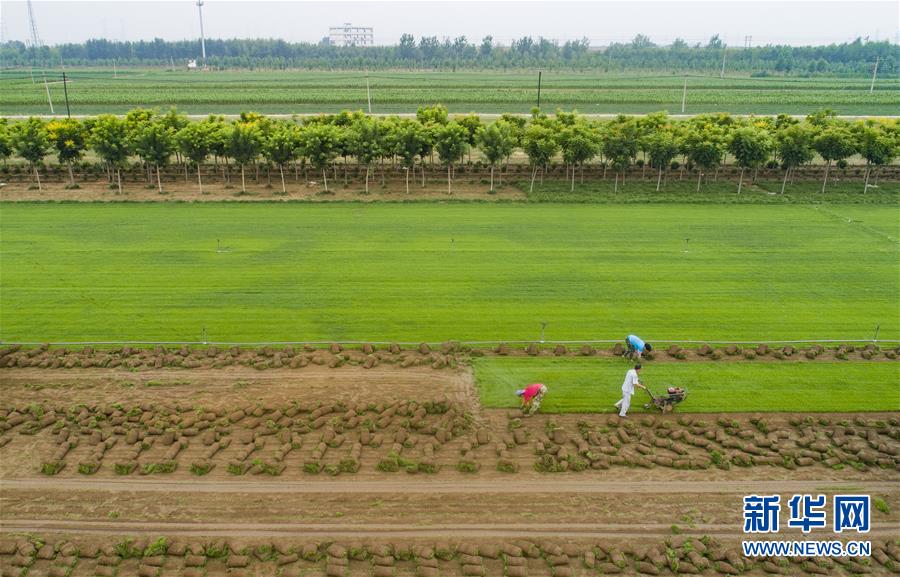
(467,487)
(465,187)
(213,388)
(381,530)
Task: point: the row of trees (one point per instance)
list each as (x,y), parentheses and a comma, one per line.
(852,58)
(703,142)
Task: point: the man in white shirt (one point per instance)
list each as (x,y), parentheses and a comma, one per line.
(631,380)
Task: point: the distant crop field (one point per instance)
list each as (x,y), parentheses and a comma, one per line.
(99,91)
(432,272)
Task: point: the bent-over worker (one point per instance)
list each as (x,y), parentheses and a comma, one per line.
(532,395)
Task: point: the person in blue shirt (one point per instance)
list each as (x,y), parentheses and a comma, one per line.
(636,346)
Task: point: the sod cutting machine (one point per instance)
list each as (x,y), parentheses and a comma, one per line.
(665,403)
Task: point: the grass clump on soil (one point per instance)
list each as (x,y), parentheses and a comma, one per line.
(201,468)
(158,547)
(125,468)
(589,385)
(126,549)
(52,468)
(493,268)
(88,467)
(881,505)
(165,467)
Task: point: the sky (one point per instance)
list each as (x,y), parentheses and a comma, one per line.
(766,22)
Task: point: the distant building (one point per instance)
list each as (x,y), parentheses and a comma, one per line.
(192,65)
(349,35)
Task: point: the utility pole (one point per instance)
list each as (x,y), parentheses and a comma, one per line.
(115,72)
(539,90)
(874,74)
(724,52)
(684,95)
(747,42)
(66,92)
(47,88)
(202,38)
(368,93)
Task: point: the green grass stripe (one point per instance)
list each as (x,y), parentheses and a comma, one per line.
(588,385)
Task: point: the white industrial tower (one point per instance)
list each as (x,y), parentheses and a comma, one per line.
(349,35)
(202,39)
(35,39)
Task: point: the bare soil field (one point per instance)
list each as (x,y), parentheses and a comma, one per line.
(448,354)
(179,191)
(391,471)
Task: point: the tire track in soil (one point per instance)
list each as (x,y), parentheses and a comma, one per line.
(381,530)
(467,487)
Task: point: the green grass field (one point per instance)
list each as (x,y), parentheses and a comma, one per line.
(848,191)
(411,272)
(93,91)
(590,385)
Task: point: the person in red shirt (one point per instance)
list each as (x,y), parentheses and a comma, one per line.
(532,395)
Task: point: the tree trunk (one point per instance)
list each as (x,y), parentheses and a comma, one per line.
(243,186)
(784,181)
(158,180)
(296,172)
(199,178)
(256,167)
(72,175)
(866,185)
(542,175)
(659,179)
(716,174)
(37,175)
(281,171)
(616,186)
(741,180)
(119,178)
(367,179)
(644,171)
(572,188)
(492,178)
(423,172)
(533,174)
(407,180)
(325,178)
(824,182)
(699,178)
(186,172)
(449,169)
